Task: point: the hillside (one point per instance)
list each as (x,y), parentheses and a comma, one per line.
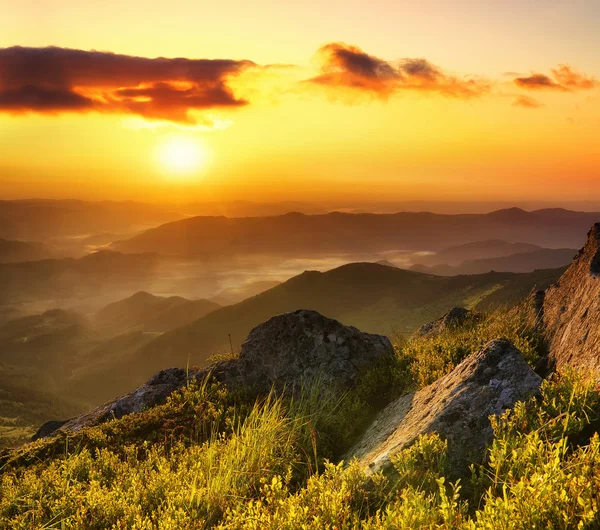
(491,248)
(147,312)
(16,251)
(299,234)
(372,297)
(68,277)
(524,262)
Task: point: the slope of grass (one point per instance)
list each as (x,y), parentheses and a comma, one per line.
(212,458)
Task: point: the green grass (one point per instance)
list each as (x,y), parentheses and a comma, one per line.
(212,458)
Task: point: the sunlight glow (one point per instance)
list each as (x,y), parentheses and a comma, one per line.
(182,156)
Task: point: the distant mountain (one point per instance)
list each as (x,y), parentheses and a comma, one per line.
(233,295)
(491,248)
(299,234)
(386,263)
(42,219)
(525,262)
(17,251)
(62,278)
(146,312)
(373,297)
(51,366)
(50,342)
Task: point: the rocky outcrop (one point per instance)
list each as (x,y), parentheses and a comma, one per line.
(570,313)
(152,393)
(287,352)
(299,348)
(454,318)
(457,406)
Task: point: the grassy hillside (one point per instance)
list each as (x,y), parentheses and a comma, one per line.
(211,458)
(372,297)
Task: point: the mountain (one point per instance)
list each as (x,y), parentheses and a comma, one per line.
(68,277)
(491,248)
(233,295)
(36,354)
(299,234)
(526,262)
(375,298)
(41,219)
(18,251)
(146,312)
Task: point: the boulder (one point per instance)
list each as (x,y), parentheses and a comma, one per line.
(300,348)
(457,407)
(287,352)
(454,318)
(570,312)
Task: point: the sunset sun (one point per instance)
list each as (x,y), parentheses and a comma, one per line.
(182,156)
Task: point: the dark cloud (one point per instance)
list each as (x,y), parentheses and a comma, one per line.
(538,82)
(564,79)
(345,66)
(527,102)
(58,79)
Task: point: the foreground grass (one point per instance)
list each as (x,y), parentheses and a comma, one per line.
(210,458)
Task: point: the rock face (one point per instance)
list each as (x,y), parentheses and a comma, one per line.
(152,393)
(298,348)
(457,406)
(287,352)
(570,313)
(453,318)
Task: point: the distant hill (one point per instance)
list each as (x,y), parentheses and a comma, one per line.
(41,219)
(373,297)
(61,278)
(491,248)
(518,288)
(17,251)
(299,234)
(146,312)
(525,262)
(233,295)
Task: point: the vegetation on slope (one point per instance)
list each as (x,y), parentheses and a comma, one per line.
(213,458)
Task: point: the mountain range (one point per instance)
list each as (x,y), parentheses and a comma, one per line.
(300,234)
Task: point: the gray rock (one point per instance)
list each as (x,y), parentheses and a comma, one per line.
(287,352)
(457,406)
(454,318)
(47,429)
(570,313)
(300,348)
(154,392)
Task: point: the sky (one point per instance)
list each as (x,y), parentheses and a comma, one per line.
(268,101)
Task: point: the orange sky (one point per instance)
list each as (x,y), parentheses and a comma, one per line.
(435,100)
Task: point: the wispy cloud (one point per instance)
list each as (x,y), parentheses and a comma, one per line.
(563,79)
(527,102)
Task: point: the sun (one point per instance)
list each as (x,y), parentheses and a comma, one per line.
(182,156)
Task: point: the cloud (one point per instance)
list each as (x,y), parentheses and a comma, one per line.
(538,82)
(527,102)
(573,80)
(564,79)
(52,80)
(343,66)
